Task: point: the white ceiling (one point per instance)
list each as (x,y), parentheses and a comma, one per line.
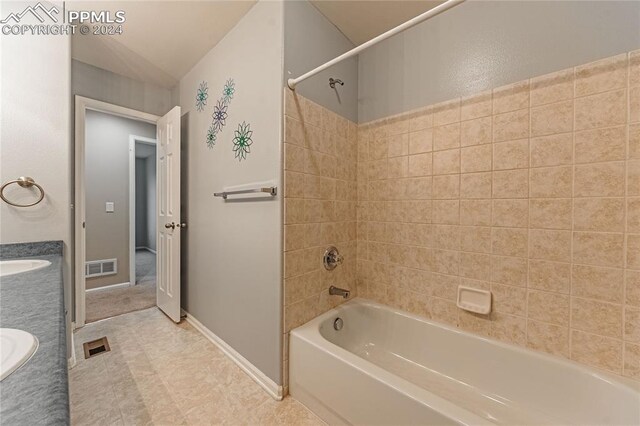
(362,20)
(163,40)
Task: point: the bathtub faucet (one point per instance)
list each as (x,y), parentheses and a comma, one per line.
(335,291)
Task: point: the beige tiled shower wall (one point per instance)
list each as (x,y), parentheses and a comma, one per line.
(320,200)
(531,191)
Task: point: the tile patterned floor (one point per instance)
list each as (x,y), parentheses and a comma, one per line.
(161,373)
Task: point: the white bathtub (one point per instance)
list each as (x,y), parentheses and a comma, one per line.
(387,367)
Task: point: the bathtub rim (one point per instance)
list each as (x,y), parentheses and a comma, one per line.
(311,329)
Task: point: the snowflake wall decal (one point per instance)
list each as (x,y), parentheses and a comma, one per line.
(212,135)
(201,96)
(219,115)
(242,141)
(229,90)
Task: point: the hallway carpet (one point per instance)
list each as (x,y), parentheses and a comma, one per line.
(109,303)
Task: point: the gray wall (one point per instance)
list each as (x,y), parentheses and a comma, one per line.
(151,201)
(481,45)
(107,179)
(106,86)
(311,40)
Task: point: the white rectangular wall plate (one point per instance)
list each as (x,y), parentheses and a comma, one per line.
(109,206)
(474,300)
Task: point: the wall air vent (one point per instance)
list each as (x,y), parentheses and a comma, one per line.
(99,268)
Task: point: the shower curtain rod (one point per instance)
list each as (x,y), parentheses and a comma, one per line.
(293,82)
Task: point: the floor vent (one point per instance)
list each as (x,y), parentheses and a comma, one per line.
(96,347)
(98,268)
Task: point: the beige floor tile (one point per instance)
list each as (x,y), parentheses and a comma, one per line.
(162,373)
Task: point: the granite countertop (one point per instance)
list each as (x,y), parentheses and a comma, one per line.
(38,392)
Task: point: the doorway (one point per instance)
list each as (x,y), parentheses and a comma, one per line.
(127,182)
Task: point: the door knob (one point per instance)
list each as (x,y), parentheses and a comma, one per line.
(170,225)
(181,225)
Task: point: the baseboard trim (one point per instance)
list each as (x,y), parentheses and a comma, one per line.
(109,287)
(272,388)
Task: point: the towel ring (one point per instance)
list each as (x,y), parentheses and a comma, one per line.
(25,182)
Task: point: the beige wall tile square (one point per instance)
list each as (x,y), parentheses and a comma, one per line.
(511,155)
(511,184)
(511,125)
(633,177)
(634,141)
(601,76)
(475,185)
(398,167)
(548,307)
(550,276)
(446,212)
(593,316)
(632,360)
(329,121)
(475,266)
(446,187)
(319,210)
(398,145)
(293,210)
(599,145)
(446,137)
(476,106)
(475,212)
(597,351)
(599,249)
(444,311)
(378,169)
(419,211)
(397,125)
(446,262)
(421,141)
(550,213)
(293,158)
(552,150)
(509,270)
(508,328)
(509,300)
(551,119)
(633,251)
(378,148)
(512,97)
(474,323)
(553,87)
(634,68)
(551,182)
(420,164)
(445,286)
(476,132)
(632,324)
(550,245)
(595,282)
(293,237)
(598,214)
(319,187)
(475,158)
(293,185)
(599,180)
(293,263)
(421,120)
(601,110)
(419,188)
(294,131)
(476,239)
(549,338)
(634,104)
(509,241)
(445,162)
(446,112)
(632,288)
(511,213)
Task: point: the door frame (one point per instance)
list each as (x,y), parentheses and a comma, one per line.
(82,104)
(132,199)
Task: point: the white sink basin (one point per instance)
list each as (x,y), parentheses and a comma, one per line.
(10,267)
(16,347)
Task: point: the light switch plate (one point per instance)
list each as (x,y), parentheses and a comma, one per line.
(109,206)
